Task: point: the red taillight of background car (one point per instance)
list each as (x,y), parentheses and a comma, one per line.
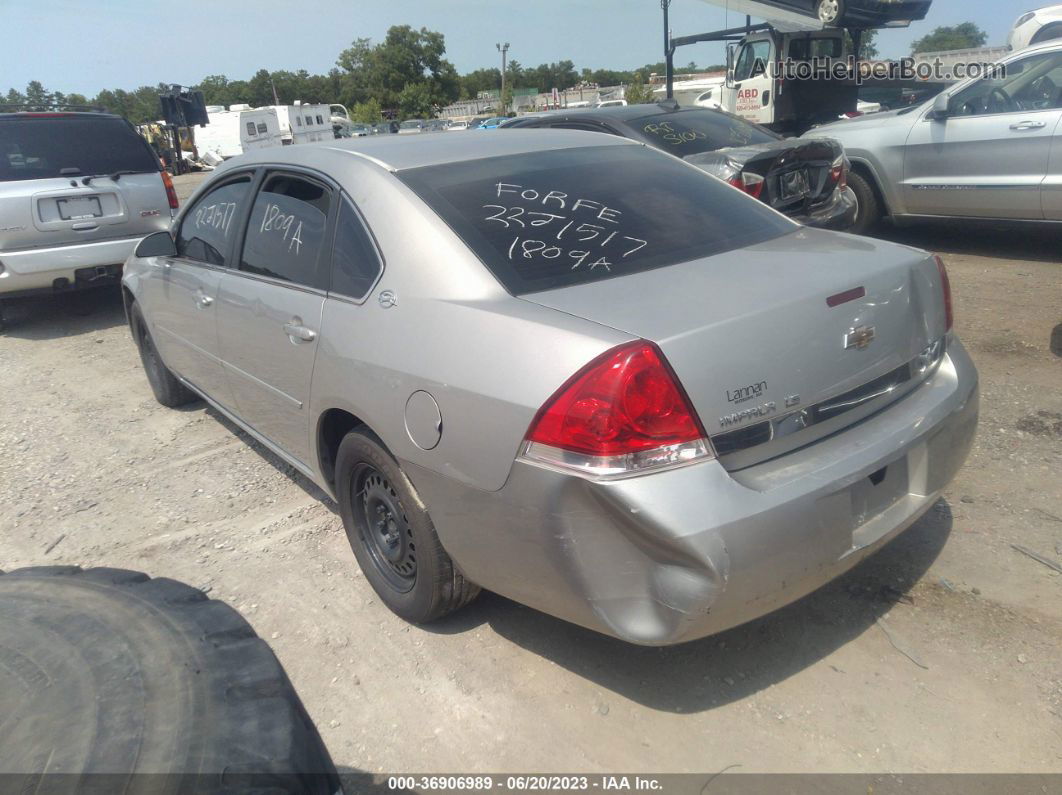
(171,192)
(624,411)
(751,183)
(839,173)
(945,284)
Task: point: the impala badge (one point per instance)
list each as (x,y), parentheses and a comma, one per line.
(859,337)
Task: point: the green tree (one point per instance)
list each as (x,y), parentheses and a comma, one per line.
(368,112)
(868,48)
(958,37)
(414,101)
(638,92)
(37,95)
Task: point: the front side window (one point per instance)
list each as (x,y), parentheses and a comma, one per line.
(355,263)
(1033,83)
(570,216)
(208,226)
(753,60)
(285,233)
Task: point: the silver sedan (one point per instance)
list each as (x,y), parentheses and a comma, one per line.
(564,367)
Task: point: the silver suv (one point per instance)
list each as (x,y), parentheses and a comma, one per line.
(77,191)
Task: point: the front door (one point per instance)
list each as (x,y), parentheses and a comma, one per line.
(270,306)
(751,93)
(989,157)
(180,293)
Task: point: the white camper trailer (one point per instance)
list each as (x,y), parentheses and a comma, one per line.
(304,124)
(237,130)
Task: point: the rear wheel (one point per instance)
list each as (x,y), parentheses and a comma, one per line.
(169,391)
(830,12)
(868,211)
(392,535)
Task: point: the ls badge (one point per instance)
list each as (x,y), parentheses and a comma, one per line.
(859,337)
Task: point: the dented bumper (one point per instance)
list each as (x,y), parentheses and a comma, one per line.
(677,555)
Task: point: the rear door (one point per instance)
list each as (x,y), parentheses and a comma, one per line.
(990,156)
(62,181)
(179,294)
(270,305)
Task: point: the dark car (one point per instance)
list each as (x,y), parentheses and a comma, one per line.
(807,183)
(865,13)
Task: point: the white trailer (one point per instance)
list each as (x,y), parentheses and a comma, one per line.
(237,130)
(303,124)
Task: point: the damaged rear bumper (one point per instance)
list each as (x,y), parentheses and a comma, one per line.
(677,555)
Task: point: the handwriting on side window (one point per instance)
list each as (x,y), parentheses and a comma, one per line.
(217,216)
(575,240)
(273,220)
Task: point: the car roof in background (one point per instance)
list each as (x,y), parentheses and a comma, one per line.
(56,114)
(618,112)
(398,153)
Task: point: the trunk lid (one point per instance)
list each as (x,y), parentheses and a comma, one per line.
(796,172)
(753,340)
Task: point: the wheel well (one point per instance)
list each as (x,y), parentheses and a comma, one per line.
(331,428)
(1046,33)
(863,170)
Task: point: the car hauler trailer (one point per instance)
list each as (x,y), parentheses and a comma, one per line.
(759,87)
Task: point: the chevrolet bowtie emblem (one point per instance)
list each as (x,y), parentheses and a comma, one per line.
(859,337)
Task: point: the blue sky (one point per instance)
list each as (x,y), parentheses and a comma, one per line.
(127,43)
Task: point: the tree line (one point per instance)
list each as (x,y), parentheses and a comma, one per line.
(408,75)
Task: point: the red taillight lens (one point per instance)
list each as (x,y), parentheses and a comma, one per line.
(625,401)
(171,192)
(751,183)
(839,173)
(945,284)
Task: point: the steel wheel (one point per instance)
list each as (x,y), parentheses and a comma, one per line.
(829,11)
(384,528)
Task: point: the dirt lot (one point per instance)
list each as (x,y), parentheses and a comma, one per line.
(94,472)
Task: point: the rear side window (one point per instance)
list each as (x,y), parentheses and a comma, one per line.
(40,148)
(286,231)
(570,216)
(355,263)
(209,224)
(695,131)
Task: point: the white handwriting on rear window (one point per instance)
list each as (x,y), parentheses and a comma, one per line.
(273,220)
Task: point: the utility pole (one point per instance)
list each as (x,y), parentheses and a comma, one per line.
(273,86)
(669,68)
(503,48)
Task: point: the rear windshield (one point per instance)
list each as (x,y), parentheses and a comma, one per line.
(695,131)
(570,216)
(41,148)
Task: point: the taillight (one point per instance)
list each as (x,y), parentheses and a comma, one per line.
(839,172)
(171,192)
(624,412)
(751,183)
(945,284)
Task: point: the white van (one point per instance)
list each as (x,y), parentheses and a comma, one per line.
(237,130)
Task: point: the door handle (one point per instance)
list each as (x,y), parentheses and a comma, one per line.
(299,333)
(205,301)
(1028,125)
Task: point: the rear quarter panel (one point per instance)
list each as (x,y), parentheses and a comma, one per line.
(490,360)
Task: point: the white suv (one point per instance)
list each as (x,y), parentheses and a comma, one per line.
(77,191)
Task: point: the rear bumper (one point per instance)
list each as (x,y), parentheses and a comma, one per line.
(838,213)
(36,270)
(689,552)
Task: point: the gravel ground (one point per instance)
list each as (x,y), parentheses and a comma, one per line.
(940,653)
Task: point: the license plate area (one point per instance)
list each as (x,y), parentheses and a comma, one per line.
(794,185)
(79,208)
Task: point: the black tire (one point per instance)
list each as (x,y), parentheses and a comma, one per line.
(869,211)
(169,391)
(398,551)
(837,17)
(108,671)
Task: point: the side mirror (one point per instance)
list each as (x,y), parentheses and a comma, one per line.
(731,48)
(940,108)
(157,244)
